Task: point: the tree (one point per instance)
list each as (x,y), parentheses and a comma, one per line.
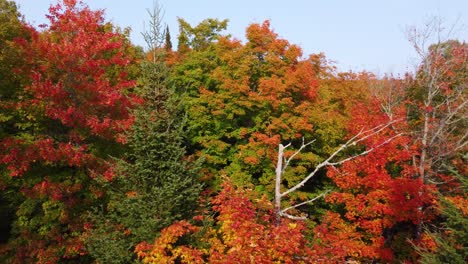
(244,99)
(365,190)
(69,117)
(242,232)
(376,193)
(448,244)
(438,99)
(446,240)
(10,58)
(386,197)
(167,37)
(438,112)
(12,27)
(283,163)
(200,36)
(154,184)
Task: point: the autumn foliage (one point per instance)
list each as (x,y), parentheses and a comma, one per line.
(243,231)
(378,191)
(105,148)
(73,106)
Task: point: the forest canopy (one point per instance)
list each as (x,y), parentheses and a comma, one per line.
(217,150)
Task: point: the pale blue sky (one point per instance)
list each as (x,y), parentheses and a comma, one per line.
(357,35)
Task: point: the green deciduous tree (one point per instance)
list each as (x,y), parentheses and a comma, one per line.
(200,36)
(244,99)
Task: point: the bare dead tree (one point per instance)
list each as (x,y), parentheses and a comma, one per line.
(440,128)
(154,36)
(283,163)
(390,92)
(443,110)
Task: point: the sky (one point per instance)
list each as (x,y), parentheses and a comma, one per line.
(356,35)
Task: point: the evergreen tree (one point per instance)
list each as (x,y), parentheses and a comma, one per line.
(168,43)
(154,186)
(451,240)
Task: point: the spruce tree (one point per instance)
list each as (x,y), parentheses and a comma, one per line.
(451,238)
(154,186)
(168,42)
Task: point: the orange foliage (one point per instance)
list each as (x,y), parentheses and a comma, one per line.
(460,202)
(243,232)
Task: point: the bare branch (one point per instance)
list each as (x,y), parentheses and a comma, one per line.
(295,153)
(154,36)
(293,217)
(362,135)
(366,151)
(374,131)
(462,142)
(306,202)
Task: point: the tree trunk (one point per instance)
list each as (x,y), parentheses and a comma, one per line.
(279,171)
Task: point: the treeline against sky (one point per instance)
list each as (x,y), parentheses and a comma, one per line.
(221,151)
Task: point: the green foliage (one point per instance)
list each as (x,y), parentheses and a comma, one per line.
(244,99)
(451,238)
(12,27)
(451,243)
(10,59)
(167,39)
(154,186)
(200,36)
